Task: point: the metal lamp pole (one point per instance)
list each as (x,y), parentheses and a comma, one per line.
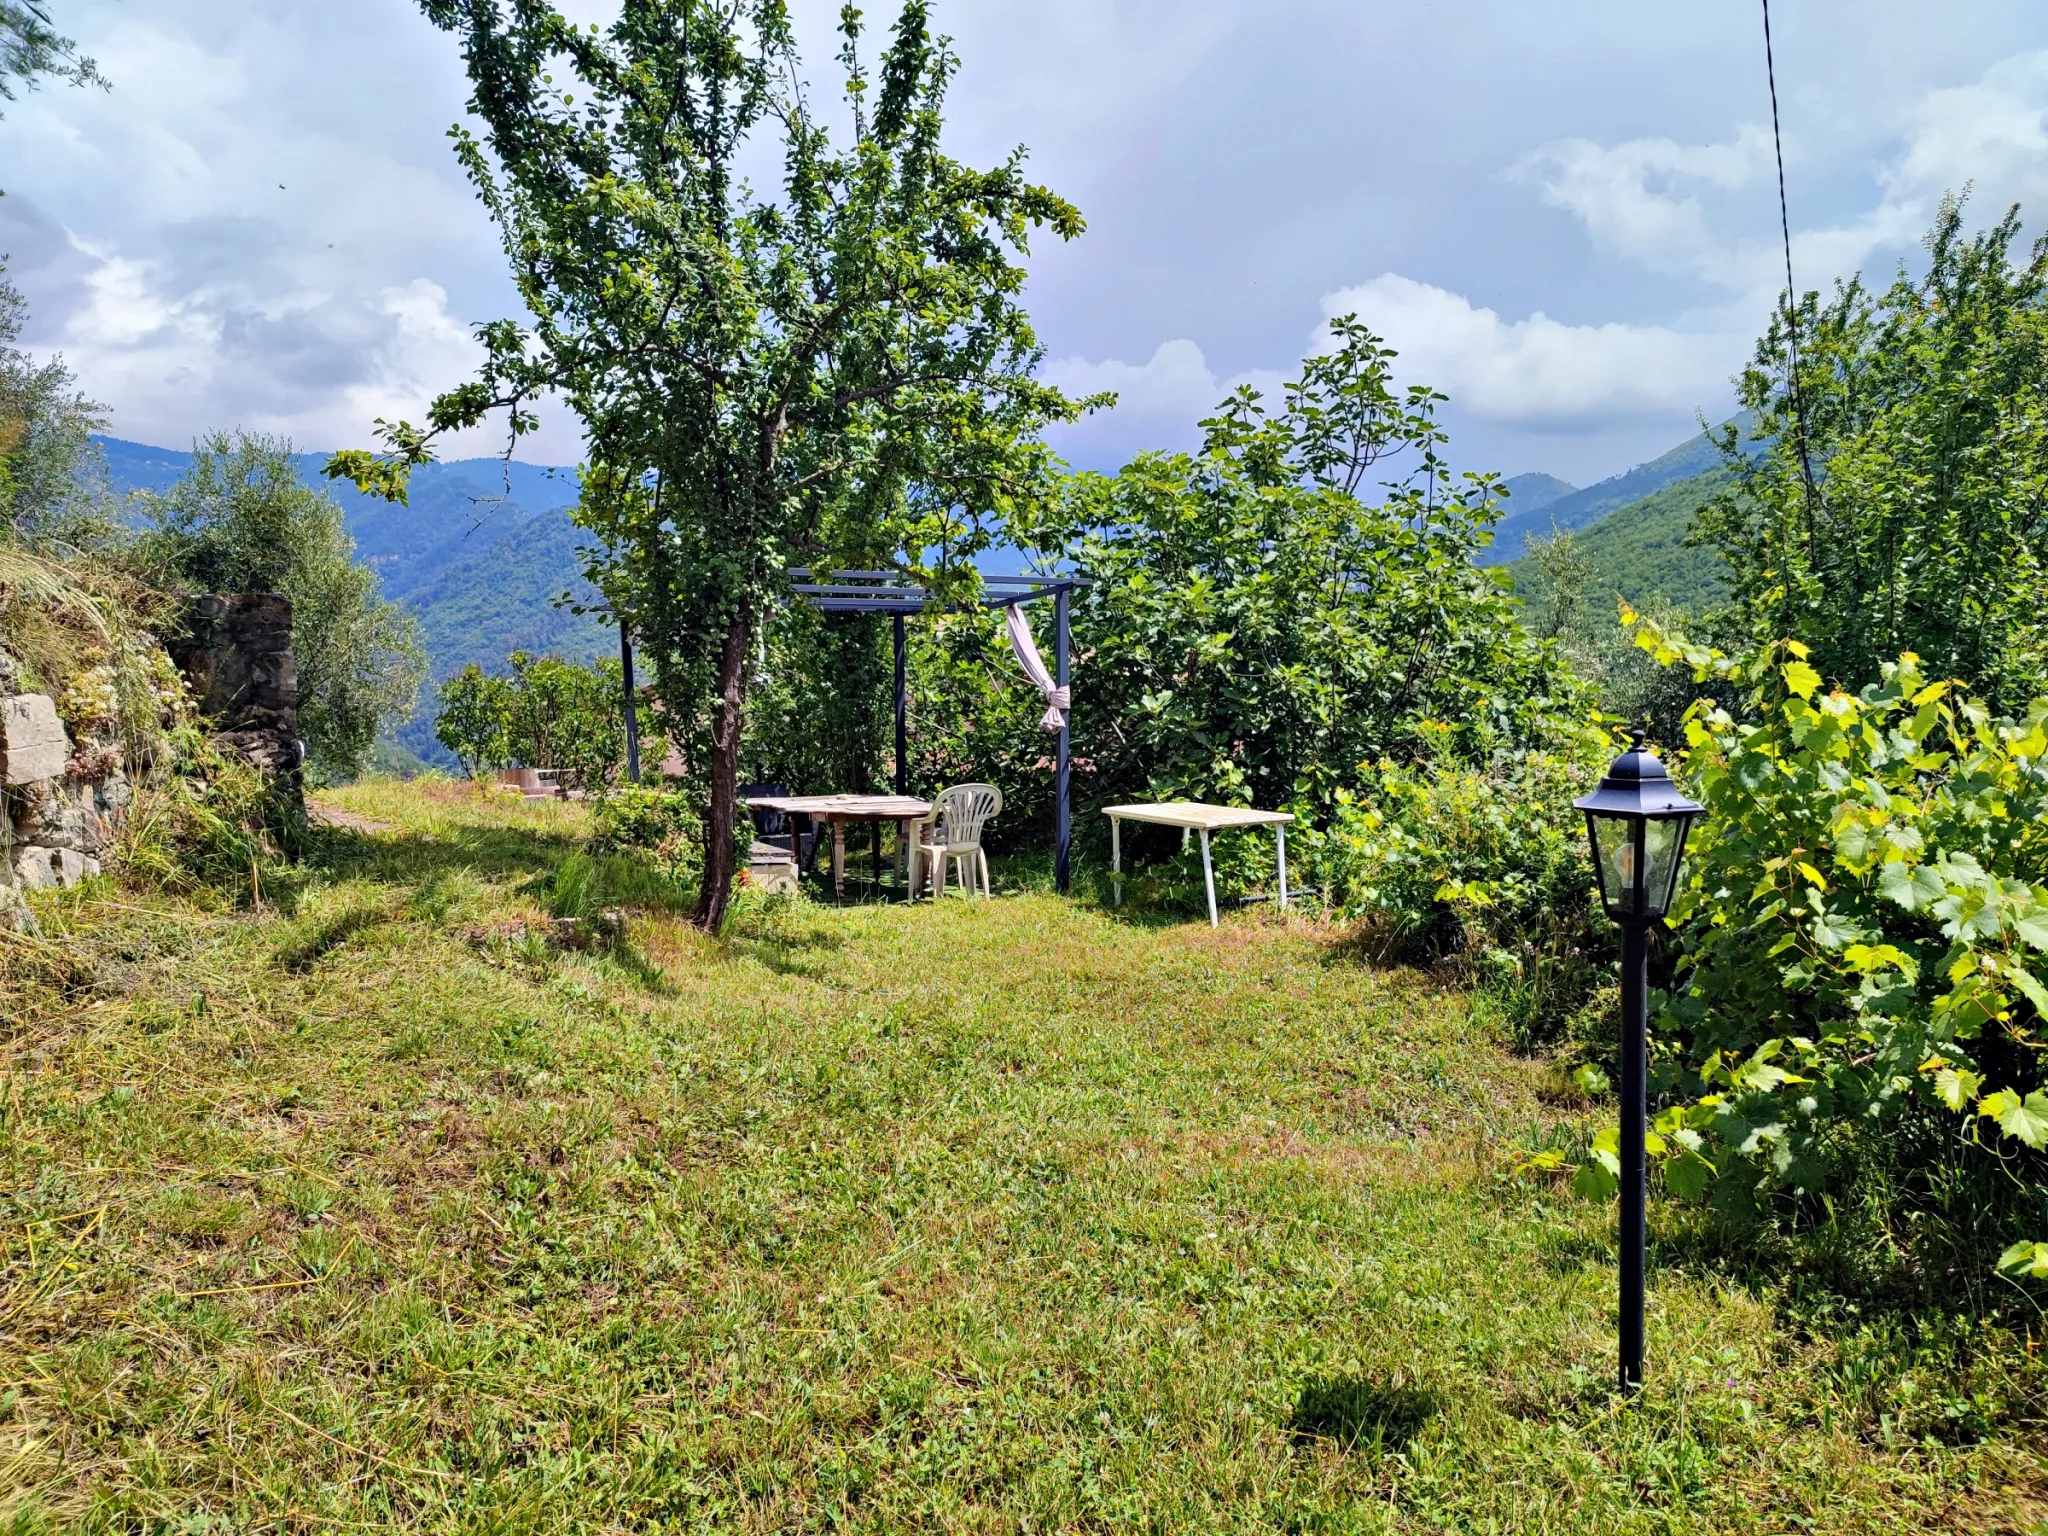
(1635,1166)
(1636,823)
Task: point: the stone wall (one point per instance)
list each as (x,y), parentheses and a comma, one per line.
(59,799)
(236,654)
(62,798)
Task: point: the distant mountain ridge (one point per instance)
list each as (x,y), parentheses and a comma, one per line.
(1527,519)
(1532,492)
(1641,552)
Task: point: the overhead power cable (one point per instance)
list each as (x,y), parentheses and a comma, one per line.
(1791,292)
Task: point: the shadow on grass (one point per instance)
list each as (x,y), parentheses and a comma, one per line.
(785,949)
(413,858)
(1361,1413)
(306,951)
(627,958)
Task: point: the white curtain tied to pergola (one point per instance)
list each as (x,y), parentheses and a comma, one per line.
(1058,700)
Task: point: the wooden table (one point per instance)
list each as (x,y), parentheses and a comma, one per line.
(1193,816)
(840,809)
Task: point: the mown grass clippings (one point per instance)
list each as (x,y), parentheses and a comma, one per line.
(971,1217)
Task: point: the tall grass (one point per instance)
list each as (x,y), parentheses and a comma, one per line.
(974,1216)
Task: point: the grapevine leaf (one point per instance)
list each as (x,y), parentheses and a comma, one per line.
(1955,1087)
(2032,930)
(1598,1177)
(1688,1175)
(2025,980)
(2027,1260)
(2026,1119)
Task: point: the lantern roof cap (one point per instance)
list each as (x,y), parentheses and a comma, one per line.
(1636,784)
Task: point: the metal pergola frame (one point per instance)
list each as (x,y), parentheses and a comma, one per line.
(887,592)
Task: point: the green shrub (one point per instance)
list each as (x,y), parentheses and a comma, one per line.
(1485,862)
(1295,599)
(475,722)
(1862,926)
(661,826)
(822,717)
(549,713)
(211,827)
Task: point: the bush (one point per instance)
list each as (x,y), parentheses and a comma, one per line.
(475,722)
(822,718)
(1295,599)
(1862,928)
(664,827)
(1486,863)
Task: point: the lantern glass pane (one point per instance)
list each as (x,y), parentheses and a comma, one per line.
(1662,841)
(1664,874)
(1614,859)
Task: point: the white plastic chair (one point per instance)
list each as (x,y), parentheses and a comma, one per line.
(953,831)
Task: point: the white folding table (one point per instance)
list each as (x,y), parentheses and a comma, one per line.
(1192,816)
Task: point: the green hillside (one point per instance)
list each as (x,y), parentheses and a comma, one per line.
(1529,517)
(1640,552)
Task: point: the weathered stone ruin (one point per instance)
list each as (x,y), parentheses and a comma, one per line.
(59,799)
(236,654)
(63,794)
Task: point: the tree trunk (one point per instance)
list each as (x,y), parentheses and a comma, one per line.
(721,817)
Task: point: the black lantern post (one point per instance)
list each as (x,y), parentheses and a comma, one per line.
(1636,821)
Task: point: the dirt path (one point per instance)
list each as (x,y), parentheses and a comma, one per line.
(348,821)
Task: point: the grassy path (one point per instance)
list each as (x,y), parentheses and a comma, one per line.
(1017,1216)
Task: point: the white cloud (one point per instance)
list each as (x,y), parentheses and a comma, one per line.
(1993,132)
(1538,370)
(315,362)
(1158,402)
(1641,198)
(1638,198)
(1534,372)
(1665,206)
(1177,384)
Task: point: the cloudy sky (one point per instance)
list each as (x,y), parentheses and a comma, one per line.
(1563,215)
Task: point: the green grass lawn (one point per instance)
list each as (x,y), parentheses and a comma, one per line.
(373,1211)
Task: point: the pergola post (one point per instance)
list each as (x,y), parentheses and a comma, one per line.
(902,707)
(1063,820)
(632,714)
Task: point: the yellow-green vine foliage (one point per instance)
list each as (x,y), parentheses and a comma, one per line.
(1862,926)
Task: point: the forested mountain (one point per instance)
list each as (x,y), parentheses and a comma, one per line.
(1639,552)
(1532,492)
(1533,517)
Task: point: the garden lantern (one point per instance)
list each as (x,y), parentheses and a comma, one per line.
(1636,822)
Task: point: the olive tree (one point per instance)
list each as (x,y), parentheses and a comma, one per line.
(832,367)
